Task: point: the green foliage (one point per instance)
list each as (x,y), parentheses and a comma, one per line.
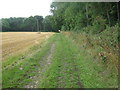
(21,24)
(5,24)
(99,25)
(76,16)
(63,28)
(29,24)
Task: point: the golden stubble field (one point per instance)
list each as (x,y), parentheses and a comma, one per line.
(17,42)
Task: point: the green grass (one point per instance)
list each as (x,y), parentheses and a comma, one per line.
(13,77)
(95,73)
(62,72)
(71,67)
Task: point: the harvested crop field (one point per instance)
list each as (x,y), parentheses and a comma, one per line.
(15,42)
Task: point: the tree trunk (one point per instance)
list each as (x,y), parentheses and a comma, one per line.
(108,16)
(107,10)
(118,11)
(40,27)
(87,14)
(37,25)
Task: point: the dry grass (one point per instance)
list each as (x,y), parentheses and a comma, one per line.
(17,42)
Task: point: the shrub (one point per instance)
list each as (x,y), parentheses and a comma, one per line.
(63,28)
(99,24)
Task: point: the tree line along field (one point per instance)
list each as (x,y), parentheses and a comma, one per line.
(17,42)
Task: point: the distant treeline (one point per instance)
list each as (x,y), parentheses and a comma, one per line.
(69,16)
(22,24)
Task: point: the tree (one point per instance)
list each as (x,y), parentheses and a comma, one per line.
(5,25)
(39,20)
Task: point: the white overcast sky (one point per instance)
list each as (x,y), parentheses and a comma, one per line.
(24,8)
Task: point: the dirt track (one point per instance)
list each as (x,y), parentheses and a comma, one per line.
(44,65)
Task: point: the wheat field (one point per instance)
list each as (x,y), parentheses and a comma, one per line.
(17,42)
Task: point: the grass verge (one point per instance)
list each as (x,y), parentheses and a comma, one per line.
(73,67)
(19,74)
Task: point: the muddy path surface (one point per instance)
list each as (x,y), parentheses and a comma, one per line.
(44,65)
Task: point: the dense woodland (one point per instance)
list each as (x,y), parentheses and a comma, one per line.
(69,17)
